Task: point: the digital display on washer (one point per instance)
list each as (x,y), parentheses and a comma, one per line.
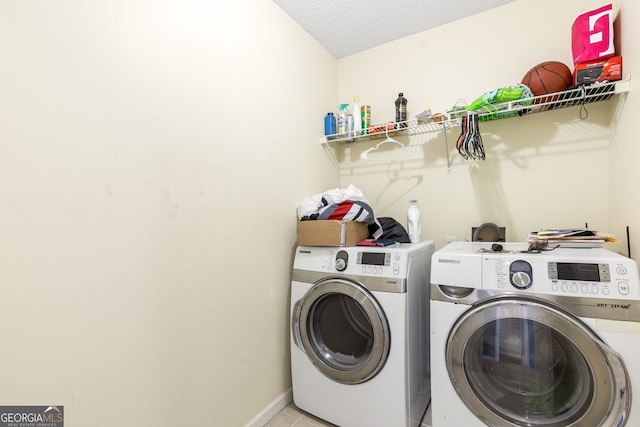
(373,258)
(579,271)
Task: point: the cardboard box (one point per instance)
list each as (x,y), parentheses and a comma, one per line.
(599,71)
(331,233)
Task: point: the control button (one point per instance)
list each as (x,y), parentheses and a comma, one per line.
(605,291)
(585,289)
(396,269)
(595,289)
(396,257)
(364,269)
(621,270)
(623,288)
(554,287)
(574,288)
(564,287)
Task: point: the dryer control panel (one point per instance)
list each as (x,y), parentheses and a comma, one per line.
(383,262)
(389,262)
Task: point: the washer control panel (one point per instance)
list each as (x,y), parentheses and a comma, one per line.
(570,272)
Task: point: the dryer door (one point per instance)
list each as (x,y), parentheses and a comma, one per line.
(343,330)
(524,362)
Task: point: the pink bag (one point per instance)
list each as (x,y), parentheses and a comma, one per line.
(592,35)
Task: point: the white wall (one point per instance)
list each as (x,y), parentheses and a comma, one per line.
(624,203)
(152,154)
(543,170)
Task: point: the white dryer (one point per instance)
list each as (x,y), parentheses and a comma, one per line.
(534,339)
(359,333)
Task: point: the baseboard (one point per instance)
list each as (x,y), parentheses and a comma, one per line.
(271,410)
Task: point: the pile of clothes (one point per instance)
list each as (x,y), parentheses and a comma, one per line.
(349,204)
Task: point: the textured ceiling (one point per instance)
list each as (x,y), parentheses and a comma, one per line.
(346,27)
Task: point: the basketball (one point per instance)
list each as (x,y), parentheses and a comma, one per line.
(548,77)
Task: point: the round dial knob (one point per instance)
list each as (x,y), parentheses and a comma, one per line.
(520,280)
(521,274)
(342,259)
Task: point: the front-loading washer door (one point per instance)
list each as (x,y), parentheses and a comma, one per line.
(524,362)
(342,329)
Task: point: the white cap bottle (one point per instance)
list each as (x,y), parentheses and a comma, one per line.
(413,222)
(357,115)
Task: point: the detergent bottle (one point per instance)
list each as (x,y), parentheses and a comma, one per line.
(342,119)
(330,126)
(413,222)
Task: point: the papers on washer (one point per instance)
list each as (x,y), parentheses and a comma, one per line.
(570,238)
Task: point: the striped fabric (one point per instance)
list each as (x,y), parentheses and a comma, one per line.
(350,210)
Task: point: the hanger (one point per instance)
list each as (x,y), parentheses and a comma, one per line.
(400,153)
(470,140)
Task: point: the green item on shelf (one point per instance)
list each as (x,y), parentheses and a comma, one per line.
(489,101)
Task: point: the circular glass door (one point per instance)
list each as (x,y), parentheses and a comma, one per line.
(343,330)
(525,362)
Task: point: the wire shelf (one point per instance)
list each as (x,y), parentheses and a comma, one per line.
(596,92)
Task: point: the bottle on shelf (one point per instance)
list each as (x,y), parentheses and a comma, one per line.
(366,118)
(330,126)
(413,222)
(342,119)
(357,116)
(401,111)
(350,127)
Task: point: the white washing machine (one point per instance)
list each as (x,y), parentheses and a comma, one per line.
(534,339)
(359,333)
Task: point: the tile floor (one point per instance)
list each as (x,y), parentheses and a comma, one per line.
(291,416)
